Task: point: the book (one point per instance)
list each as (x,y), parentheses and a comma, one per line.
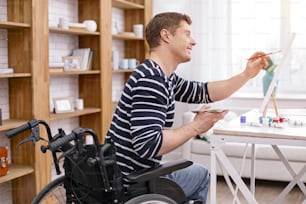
(84,53)
(6,70)
(89,64)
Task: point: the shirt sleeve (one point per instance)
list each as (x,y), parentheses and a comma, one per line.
(191,91)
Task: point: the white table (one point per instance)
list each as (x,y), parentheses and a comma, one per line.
(234,132)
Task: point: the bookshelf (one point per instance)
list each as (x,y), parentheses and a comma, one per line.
(28,53)
(25,57)
(93,84)
(135,12)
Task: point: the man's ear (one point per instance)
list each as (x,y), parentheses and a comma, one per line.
(164,35)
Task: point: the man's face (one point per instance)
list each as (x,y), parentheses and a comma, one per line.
(182,42)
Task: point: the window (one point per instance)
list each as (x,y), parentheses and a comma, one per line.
(228,32)
(267,25)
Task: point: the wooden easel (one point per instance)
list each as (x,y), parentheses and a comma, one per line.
(270,91)
(274,104)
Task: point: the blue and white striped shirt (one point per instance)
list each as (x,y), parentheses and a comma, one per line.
(145,108)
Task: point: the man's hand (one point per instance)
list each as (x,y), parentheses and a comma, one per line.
(203,121)
(258,61)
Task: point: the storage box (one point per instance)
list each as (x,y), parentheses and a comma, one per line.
(3,161)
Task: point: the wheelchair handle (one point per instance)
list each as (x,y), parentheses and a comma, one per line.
(22,128)
(53,146)
(76,134)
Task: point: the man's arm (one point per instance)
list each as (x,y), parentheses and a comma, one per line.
(202,122)
(220,90)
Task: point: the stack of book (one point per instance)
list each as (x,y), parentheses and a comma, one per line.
(6,70)
(86,56)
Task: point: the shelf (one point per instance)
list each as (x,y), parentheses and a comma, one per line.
(71,31)
(122,4)
(123,70)
(7,25)
(86,111)
(15,75)
(16,171)
(63,73)
(10,124)
(124,37)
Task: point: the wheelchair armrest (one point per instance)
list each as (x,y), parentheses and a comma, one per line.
(158,171)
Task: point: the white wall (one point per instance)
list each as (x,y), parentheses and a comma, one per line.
(62,45)
(185,69)
(201,13)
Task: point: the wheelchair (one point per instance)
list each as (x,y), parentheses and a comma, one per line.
(91,174)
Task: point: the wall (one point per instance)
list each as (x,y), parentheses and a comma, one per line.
(118,45)
(62,45)
(243,101)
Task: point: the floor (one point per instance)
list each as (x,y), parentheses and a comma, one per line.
(265,193)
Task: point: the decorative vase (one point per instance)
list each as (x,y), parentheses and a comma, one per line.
(90,25)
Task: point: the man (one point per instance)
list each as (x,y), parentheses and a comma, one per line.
(141,125)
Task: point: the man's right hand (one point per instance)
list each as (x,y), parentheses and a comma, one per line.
(204,120)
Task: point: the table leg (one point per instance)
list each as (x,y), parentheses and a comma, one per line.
(240,173)
(229,183)
(290,185)
(252,179)
(235,176)
(289,168)
(213,176)
(296,177)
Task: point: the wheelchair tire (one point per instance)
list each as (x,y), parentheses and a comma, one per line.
(54,192)
(151,199)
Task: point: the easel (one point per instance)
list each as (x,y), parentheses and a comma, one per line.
(267,82)
(274,104)
(270,92)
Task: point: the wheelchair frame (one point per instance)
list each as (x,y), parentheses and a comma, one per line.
(102,178)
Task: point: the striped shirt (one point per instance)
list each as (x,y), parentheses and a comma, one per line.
(146,107)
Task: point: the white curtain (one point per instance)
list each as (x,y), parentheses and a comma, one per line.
(209,29)
(228,32)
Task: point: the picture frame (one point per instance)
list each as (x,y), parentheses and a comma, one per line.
(63,105)
(72,63)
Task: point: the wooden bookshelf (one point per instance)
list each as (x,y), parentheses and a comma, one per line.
(16,171)
(54,72)
(123,4)
(72,32)
(135,12)
(15,75)
(28,54)
(76,113)
(9,25)
(11,123)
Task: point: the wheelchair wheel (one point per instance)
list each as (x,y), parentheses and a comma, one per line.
(151,199)
(53,193)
